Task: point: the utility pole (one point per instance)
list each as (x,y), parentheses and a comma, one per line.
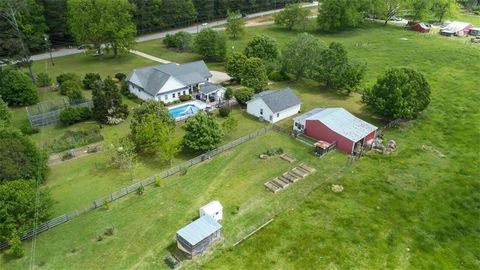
(47,45)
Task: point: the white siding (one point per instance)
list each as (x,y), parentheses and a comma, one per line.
(255,106)
(138,92)
(170,85)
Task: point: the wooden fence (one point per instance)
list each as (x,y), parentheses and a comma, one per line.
(133,188)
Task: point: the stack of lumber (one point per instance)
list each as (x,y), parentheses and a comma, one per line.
(279,183)
(287,158)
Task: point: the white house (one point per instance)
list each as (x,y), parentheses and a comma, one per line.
(273,106)
(167,82)
(213,209)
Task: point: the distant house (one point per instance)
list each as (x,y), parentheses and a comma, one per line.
(274,106)
(213,209)
(167,82)
(475,32)
(198,236)
(456,29)
(421,27)
(335,125)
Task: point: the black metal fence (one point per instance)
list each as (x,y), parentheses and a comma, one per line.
(133,188)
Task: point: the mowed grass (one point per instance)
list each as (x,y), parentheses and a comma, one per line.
(76,184)
(145,225)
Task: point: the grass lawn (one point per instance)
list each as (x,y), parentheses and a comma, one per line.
(75,184)
(235,177)
(414,209)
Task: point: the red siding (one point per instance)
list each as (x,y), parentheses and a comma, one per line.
(370,136)
(319,131)
(417,27)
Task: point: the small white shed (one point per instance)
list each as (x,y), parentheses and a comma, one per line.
(213,209)
(273,106)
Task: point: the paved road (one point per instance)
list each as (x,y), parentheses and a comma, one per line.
(190,29)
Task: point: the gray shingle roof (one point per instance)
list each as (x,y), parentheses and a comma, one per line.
(198,230)
(152,79)
(278,100)
(209,88)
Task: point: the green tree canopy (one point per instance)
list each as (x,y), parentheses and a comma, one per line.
(292,15)
(18,207)
(242,95)
(211,44)
(202,133)
(263,47)
(16,88)
(442,9)
(108,107)
(400,93)
(337,15)
(20,158)
(5,114)
(235,63)
(335,69)
(152,131)
(235,24)
(254,74)
(299,55)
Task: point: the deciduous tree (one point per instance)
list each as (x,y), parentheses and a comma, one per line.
(445,8)
(211,44)
(202,133)
(263,47)
(337,15)
(298,56)
(292,15)
(235,63)
(16,88)
(254,74)
(400,93)
(235,25)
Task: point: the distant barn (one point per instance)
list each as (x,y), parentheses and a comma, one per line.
(198,236)
(420,27)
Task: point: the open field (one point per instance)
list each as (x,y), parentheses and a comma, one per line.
(414,209)
(235,178)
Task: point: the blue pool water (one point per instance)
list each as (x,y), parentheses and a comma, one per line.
(183,110)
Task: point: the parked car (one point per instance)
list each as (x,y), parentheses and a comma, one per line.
(98,53)
(81,46)
(204,24)
(475,40)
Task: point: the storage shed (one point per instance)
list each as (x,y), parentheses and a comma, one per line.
(420,27)
(335,125)
(213,209)
(475,32)
(198,236)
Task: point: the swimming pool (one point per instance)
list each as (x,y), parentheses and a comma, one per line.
(183,111)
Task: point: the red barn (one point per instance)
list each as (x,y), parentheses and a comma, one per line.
(420,27)
(335,125)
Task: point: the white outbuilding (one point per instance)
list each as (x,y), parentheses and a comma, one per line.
(213,209)
(273,106)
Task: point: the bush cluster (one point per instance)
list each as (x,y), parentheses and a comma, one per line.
(69,76)
(242,95)
(278,76)
(72,115)
(43,80)
(120,76)
(181,41)
(90,79)
(185,97)
(224,111)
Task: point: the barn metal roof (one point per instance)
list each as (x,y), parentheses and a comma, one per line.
(340,121)
(198,230)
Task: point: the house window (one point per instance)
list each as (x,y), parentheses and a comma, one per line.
(278,114)
(261,111)
(173,95)
(184,92)
(166,97)
(271,117)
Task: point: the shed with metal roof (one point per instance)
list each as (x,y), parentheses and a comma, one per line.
(335,125)
(198,236)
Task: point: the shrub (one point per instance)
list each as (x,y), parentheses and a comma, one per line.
(224,111)
(140,190)
(27,129)
(228,93)
(120,76)
(72,115)
(43,80)
(74,94)
(230,124)
(242,95)
(69,86)
(183,171)
(115,80)
(185,98)
(159,181)
(16,248)
(67,77)
(276,76)
(109,231)
(16,88)
(181,41)
(90,79)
